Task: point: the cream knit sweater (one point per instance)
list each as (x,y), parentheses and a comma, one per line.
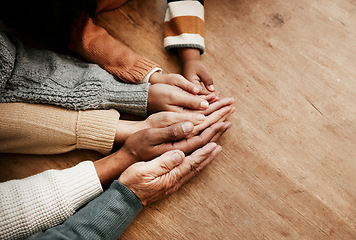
(44,200)
(49,198)
(45,129)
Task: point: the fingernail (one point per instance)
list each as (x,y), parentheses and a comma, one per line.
(200,117)
(177,157)
(187,127)
(196,89)
(211,87)
(204,104)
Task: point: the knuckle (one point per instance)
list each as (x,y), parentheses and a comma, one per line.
(194,166)
(173,132)
(167,117)
(164,165)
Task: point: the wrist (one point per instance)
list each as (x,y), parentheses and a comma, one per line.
(155,71)
(155,77)
(126,128)
(108,169)
(188,54)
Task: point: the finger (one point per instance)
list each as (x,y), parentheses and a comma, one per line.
(224,128)
(185,84)
(228,114)
(190,101)
(207,80)
(166,119)
(171,133)
(217,105)
(164,163)
(233,109)
(209,97)
(203,91)
(217,116)
(195,80)
(191,144)
(195,163)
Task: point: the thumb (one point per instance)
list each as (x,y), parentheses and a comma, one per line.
(207,80)
(171,133)
(165,163)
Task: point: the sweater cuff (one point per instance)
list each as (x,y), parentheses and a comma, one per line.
(139,71)
(81,183)
(127,98)
(96,130)
(146,79)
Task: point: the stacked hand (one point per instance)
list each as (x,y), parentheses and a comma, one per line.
(177,140)
(149,143)
(218,111)
(174,92)
(155,179)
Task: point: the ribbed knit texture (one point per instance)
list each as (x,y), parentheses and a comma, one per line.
(41,76)
(106,217)
(96,45)
(96,130)
(45,200)
(45,129)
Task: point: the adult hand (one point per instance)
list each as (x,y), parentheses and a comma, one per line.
(126,128)
(181,82)
(151,181)
(176,80)
(217,112)
(164,97)
(152,142)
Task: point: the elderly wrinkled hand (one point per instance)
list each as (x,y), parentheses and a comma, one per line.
(153,180)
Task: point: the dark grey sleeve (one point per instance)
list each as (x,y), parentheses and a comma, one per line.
(42,76)
(105,217)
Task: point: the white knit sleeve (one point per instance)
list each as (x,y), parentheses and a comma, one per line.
(44,200)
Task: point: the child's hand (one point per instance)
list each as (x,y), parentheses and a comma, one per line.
(194,70)
(164,97)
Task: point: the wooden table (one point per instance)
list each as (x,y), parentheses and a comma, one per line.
(288,165)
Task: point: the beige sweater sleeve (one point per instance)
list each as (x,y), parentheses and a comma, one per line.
(44,129)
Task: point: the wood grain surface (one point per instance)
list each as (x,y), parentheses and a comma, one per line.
(288,165)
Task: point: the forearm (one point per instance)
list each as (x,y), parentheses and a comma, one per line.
(44,129)
(106,217)
(96,45)
(45,200)
(40,76)
(188,54)
(110,168)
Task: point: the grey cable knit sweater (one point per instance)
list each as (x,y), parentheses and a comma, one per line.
(41,76)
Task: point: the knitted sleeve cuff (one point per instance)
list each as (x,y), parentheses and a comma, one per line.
(147,77)
(81,184)
(96,130)
(135,74)
(184,25)
(126,97)
(106,217)
(45,200)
